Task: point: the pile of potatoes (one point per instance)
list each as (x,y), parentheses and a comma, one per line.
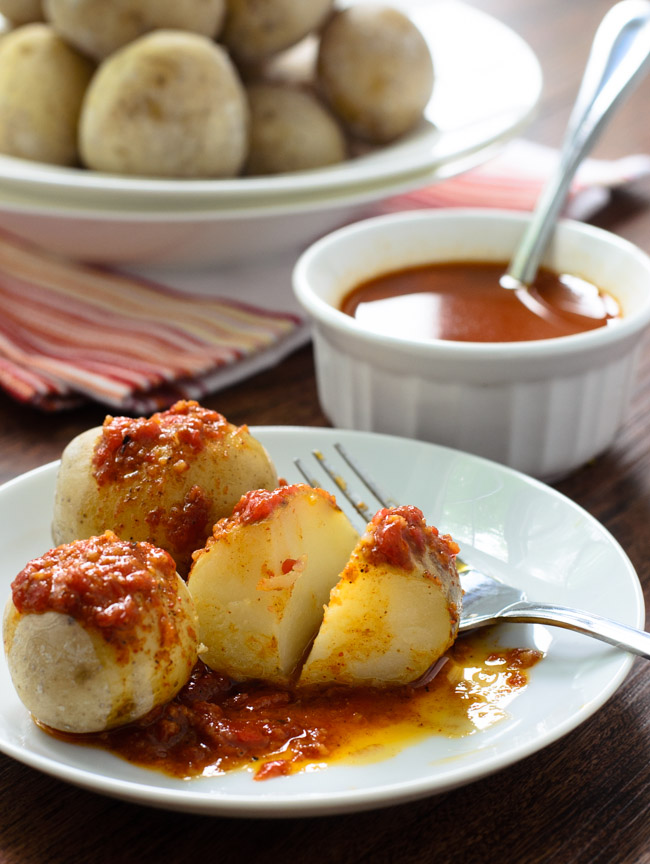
(206,88)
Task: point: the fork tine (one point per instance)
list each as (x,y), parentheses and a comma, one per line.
(384,499)
(355,500)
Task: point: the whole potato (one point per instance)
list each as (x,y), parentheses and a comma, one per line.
(255,30)
(169,104)
(291,131)
(42,85)
(165,479)
(98,632)
(21,11)
(98,28)
(375,70)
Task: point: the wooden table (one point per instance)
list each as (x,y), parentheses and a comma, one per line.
(584,799)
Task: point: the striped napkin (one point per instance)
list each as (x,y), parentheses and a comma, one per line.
(71,333)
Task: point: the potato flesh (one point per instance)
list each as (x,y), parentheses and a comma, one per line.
(383,624)
(70,679)
(254,619)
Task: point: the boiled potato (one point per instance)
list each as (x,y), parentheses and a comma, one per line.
(21,11)
(165,479)
(42,84)
(254,30)
(395,610)
(260,583)
(291,131)
(169,104)
(98,632)
(375,70)
(98,28)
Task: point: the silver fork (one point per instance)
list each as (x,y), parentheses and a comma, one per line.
(486,600)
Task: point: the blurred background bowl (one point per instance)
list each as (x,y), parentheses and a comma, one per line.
(543,407)
(487,85)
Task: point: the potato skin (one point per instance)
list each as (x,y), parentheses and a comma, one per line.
(171,496)
(291,131)
(169,104)
(254,31)
(375,70)
(42,84)
(21,11)
(77,675)
(98,28)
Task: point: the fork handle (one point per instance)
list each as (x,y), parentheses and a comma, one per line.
(588,623)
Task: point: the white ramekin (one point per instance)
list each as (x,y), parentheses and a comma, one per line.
(543,407)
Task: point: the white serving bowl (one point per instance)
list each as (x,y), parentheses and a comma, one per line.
(487,86)
(543,407)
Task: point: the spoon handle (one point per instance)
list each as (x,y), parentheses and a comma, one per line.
(620,635)
(618,58)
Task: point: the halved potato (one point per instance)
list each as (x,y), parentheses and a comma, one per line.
(395,610)
(260,584)
(98,632)
(165,479)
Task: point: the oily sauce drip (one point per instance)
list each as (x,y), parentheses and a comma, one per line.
(214,724)
(463,301)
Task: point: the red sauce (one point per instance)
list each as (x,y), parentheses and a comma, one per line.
(186,524)
(463,301)
(214,725)
(106,583)
(259,504)
(400,534)
(172,436)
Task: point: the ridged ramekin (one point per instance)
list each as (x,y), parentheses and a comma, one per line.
(544,407)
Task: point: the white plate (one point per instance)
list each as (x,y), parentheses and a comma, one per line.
(512,526)
(487,85)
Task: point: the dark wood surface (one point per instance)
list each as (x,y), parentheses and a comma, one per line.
(584,799)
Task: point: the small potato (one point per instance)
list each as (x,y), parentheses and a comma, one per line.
(395,610)
(42,84)
(99,632)
(169,104)
(375,70)
(165,479)
(254,31)
(291,131)
(260,583)
(98,28)
(21,11)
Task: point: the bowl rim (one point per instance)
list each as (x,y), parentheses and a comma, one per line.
(325,314)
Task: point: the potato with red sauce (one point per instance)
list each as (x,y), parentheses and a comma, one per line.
(395,609)
(261,582)
(99,632)
(165,479)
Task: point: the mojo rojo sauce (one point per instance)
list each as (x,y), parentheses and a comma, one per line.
(127,444)
(463,301)
(105,583)
(400,532)
(214,725)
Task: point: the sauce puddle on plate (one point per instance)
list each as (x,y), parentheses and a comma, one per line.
(214,725)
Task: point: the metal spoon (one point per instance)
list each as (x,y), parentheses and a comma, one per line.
(487,601)
(618,58)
